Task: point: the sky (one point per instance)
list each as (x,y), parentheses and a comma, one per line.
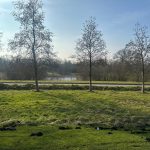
(115,18)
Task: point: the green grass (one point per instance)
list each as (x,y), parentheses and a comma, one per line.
(47,110)
(84,139)
(73,106)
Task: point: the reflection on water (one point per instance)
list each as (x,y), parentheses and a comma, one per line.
(63,78)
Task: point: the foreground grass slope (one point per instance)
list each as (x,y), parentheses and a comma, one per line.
(83,139)
(47,110)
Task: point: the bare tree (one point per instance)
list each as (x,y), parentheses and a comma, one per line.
(124,55)
(140,48)
(128,68)
(33,38)
(90,46)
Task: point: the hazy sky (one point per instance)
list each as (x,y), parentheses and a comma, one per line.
(116,20)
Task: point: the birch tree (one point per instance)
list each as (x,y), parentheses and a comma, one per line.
(90,46)
(33,39)
(140,48)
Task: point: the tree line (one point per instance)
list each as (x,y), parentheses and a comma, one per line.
(20,68)
(34,49)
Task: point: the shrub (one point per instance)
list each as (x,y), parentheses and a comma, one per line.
(67,87)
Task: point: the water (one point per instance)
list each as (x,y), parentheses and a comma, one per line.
(63,78)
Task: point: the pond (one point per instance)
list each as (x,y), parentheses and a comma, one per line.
(62,78)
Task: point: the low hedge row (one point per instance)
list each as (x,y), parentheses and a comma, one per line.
(68,87)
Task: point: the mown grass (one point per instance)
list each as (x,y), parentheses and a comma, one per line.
(73,106)
(123,112)
(84,139)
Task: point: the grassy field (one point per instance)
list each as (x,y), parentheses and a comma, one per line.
(122,117)
(84,139)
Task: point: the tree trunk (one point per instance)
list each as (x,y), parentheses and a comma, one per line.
(35,70)
(143,77)
(34,56)
(90,75)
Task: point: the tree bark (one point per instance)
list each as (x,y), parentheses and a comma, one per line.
(90,74)
(143,77)
(35,70)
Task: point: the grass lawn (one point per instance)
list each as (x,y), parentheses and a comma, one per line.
(54,139)
(117,114)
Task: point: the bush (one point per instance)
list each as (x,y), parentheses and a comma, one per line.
(67,87)
(3,86)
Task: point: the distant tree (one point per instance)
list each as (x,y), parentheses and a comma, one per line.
(90,46)
(20,68)
(123,61)
(124,55)
(66,68)
(140,48)
(33,38)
